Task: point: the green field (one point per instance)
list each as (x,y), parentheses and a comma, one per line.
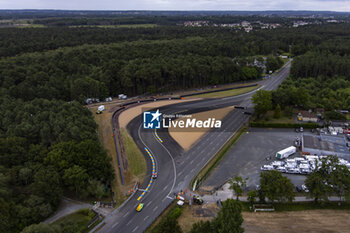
(116,26)
(221,94)
(30,26)
(136,26)
(137,162)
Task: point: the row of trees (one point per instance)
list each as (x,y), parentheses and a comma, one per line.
(289,96)
(328,179)
(273,186)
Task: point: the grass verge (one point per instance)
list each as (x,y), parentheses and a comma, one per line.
(137,162)
(204,173)
(227,93)
(78,220)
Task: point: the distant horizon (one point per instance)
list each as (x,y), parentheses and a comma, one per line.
(178,5)
(101,10)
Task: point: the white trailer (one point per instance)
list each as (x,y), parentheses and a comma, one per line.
(286,152)
(101,108)
(122,97)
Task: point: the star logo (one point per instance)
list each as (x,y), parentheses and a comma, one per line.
(156,115)
(151,120)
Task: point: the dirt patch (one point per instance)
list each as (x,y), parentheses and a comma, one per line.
(126,116)
(209,210)
(186,139)
(189,216)
(297,221)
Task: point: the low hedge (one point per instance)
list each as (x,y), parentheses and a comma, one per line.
(302,206)
(283,125)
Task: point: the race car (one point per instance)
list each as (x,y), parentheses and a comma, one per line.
(155,175)
(139,207)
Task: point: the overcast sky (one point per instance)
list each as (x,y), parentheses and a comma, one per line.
(253,5)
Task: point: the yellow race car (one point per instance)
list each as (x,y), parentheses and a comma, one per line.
(139,207)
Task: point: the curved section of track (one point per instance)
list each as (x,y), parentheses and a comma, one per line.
(176,167)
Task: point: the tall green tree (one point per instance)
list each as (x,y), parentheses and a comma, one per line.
(278,112)
(276,187)
(229,218)
(202,226)
(263,102)
(329,178)
(317,187)
(47,184)
(238,184)
(252,195)
(76,178)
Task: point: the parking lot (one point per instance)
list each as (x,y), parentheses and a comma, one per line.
(255,148)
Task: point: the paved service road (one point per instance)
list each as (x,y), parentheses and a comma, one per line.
(175,167)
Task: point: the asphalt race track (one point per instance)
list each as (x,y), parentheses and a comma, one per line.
(175,167)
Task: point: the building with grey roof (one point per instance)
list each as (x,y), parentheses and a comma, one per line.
(325,145)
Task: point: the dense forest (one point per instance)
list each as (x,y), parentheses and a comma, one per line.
(46,146)
(16,41)
(130,67)
(320,78)
(48,141)
(143,66)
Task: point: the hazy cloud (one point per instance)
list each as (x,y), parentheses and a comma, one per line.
(324,5)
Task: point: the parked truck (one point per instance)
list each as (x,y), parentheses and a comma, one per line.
(286,152)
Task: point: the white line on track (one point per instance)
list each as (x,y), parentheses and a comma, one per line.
(129,222)
(148,203)
(173,161)
(135,228)
(165,187)
(115,224)
(145,218)
(155,208)
(126,214)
